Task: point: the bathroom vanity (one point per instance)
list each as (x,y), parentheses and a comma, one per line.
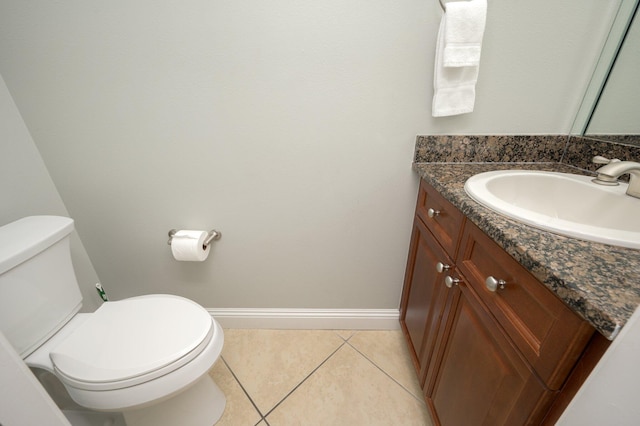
(503,321)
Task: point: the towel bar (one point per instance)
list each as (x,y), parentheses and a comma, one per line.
(442,5)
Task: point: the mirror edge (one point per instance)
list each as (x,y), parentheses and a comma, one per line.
(612,45)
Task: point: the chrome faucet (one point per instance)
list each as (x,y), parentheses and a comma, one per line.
(609,174)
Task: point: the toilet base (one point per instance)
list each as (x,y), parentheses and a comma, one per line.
(93,418)
(202,404)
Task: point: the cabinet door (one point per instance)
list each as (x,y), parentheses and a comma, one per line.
(549,335)
(423,296)
(481,379)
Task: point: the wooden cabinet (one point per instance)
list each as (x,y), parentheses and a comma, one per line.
(481,378)
(483,356)
(441,217)
(425,299)
(424,293)
(546,332)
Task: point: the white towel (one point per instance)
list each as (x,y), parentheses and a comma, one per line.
(454,87)
(463,32)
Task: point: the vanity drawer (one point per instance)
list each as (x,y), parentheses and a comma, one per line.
(440,216)
(549,335)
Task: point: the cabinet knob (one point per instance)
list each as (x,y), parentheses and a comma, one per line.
(433,213)
(450,282)
(493,284)
(441,267)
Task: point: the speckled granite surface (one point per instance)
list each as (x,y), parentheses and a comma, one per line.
(506,149)
(623,139)
(581,150)
(600,283)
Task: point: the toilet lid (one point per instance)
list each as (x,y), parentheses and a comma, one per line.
(138,338)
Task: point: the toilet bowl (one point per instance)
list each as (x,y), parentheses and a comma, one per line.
(146,357)
(132,353)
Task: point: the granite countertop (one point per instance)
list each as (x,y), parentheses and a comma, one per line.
(599,282)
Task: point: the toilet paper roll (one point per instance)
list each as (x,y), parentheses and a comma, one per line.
(189,246)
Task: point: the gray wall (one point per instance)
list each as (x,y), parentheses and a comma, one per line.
(27,189)
(288,125)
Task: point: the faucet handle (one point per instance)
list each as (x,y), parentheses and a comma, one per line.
(598,159)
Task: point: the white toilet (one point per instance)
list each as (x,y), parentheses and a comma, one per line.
(146,356)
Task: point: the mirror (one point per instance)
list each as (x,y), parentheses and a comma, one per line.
(611,104)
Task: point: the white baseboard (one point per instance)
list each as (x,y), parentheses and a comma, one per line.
(308,319)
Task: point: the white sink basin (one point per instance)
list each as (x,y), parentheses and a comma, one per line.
(566,204)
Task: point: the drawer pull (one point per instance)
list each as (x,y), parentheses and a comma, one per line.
(433,213)
(441,267)
(450,282)
(493,284)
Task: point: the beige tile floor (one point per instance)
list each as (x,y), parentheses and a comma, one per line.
(317,377)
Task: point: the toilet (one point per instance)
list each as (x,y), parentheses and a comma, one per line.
(146,357)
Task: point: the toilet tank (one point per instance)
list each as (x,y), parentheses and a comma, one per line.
(39,292)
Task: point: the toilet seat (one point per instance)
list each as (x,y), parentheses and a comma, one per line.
(132,341)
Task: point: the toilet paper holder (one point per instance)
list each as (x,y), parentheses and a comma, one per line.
(213,236)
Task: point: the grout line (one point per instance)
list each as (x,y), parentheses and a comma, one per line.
(304,380)
(386,374)
(262,417)
(338,334)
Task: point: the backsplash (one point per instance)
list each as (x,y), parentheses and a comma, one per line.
(580,151)
(576,151)
(623,139)
(490,149)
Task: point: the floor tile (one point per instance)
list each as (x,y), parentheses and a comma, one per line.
(239,410)
(349,390)
(345,334)
(271,363)
(388,350)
